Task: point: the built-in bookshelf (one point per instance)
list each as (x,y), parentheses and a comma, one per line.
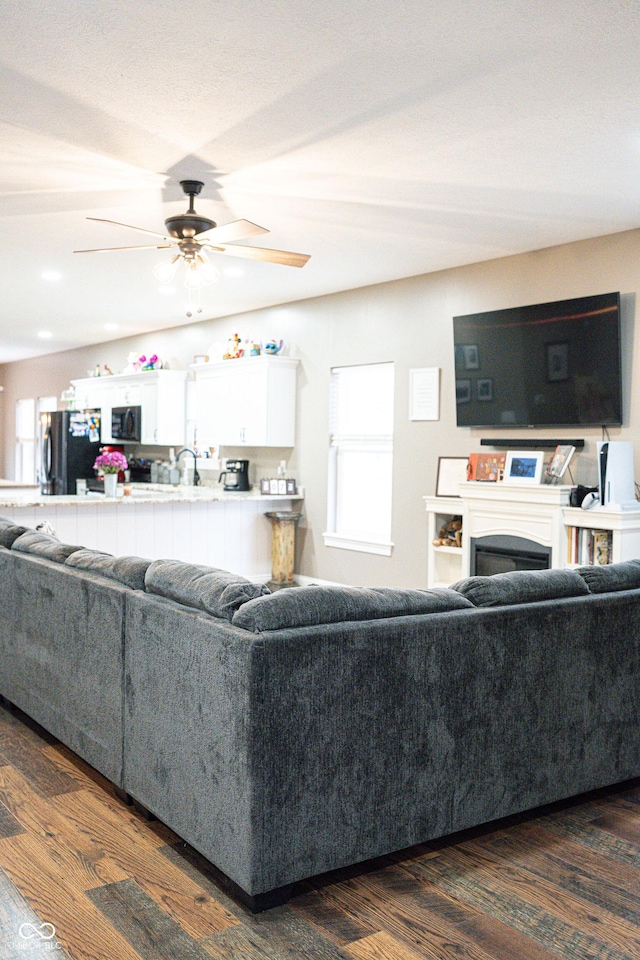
(586,545)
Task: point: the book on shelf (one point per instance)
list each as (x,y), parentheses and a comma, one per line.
(586,546)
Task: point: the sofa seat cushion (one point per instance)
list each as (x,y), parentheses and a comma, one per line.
(217,592)
(314,605)
(43,545)
(521,586)
(129,571)
(9,532)
(611,577)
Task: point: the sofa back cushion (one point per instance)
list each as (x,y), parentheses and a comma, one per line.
(43,545)
(217,592)
(612,576)
(313,605)
(129,571)
(9,532)
(521,586)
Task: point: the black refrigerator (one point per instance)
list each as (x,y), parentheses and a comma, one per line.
(69,445)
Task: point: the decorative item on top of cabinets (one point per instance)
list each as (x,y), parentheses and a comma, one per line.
(251,402)
(272,347)
(235,349)
(136,363)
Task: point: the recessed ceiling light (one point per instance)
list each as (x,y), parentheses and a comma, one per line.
(50,275)
(233,272)
(45,334)
(166,291)
(111,326)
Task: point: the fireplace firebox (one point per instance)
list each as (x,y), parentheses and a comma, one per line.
(501,554)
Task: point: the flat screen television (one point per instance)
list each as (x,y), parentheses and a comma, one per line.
(544,365)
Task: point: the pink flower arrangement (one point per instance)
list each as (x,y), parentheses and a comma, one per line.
(110,462)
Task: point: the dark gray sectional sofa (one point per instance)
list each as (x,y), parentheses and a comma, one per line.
(284,735)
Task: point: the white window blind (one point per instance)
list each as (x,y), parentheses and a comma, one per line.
(361,458)
(25,468)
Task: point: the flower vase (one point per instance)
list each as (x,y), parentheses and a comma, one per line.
(110,484)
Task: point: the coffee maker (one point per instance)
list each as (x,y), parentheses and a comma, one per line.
(236,475)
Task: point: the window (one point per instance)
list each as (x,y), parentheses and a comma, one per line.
(361,458)
(25,469)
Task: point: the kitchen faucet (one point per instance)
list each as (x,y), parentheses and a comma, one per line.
(196,475)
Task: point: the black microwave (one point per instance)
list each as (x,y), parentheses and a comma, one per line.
(125,423)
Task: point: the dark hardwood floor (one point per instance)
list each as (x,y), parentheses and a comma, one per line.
(86,878)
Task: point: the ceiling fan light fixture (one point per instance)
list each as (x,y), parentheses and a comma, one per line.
(166,271)
(199,273)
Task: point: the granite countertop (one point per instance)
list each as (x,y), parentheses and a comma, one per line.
(159,493)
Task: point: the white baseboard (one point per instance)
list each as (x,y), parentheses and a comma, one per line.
(298,579)
(316,581)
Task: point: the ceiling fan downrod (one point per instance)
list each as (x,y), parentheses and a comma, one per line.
(187,225)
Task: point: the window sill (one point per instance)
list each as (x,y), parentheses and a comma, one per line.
(382,548)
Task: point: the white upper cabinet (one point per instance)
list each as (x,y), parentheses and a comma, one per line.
(248,402)
(161,394)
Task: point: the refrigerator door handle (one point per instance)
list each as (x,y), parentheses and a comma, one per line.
(46,452)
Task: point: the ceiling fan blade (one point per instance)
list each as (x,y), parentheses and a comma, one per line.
(284,257)
(130,227)
(228,232)
(146,246)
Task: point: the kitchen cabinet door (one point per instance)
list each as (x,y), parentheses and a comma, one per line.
(247,402)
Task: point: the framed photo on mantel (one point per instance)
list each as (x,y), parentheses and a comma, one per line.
(451,472)
(523,466)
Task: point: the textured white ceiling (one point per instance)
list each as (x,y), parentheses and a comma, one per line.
(384,140)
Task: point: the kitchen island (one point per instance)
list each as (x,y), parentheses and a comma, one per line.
(195,524)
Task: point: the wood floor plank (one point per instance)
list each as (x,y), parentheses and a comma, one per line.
(540,891)
(332,920)
(9,826)
(551,931)
(11,718)
(277,934)
(597,840)
(14,912)
(85,862)
(416,916)
(568,866)
(383,946)
(126,843)
(42,773)
(152,933)
(80,927)
(621,824)
(73,766)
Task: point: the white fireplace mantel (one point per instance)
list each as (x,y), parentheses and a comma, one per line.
(516,510)
(539,512)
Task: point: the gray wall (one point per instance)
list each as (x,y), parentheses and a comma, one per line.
(407,321)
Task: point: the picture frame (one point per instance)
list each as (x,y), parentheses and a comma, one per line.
(523,466)
(451,472)
(463,391)
(471,357)
(484,389)
(557,362)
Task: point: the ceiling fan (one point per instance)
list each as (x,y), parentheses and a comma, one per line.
(193,236)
